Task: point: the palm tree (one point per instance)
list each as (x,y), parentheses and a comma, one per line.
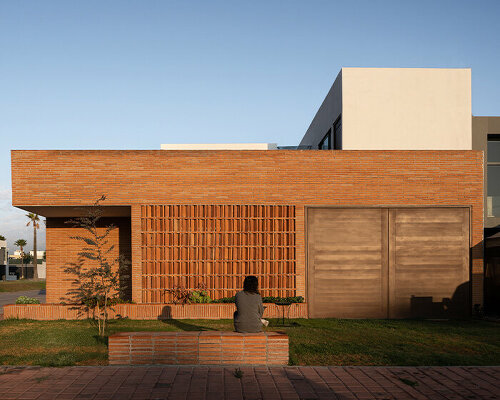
(21,243)
(33,219)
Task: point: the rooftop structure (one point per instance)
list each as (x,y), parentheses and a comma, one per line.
(395,109)
(221,146)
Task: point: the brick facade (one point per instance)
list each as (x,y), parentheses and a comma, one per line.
(198,348)
(296,178)
(217,246)
(62,251)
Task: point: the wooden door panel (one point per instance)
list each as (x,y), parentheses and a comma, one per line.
(428,262)
(347,263)
(378,263)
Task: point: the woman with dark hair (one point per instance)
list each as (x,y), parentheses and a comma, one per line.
(249,308)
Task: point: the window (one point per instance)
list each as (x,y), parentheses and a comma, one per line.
(493,173)
(332,140)
(326,142)
(337,134)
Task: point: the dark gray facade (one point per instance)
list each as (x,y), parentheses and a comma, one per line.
(327,121)
(486,137)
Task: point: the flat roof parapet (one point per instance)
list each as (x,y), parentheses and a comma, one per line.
(220,146)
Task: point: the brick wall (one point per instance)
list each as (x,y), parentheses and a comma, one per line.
(147,311)
(198,348)
(62,251)
(217,246)
(298,178)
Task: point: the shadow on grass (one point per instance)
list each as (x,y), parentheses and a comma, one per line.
(278,323)
(183,326)
(101,339)
(166,318)
(5,370)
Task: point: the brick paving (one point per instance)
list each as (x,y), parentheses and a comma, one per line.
(200,383)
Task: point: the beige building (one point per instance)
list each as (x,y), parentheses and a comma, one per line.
(394,109)
(415,109)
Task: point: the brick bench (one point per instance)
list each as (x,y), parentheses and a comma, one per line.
(198,348)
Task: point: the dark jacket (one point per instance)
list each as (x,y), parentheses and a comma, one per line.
(249,310)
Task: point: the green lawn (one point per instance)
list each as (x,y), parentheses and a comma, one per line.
(312,342)
(23,284)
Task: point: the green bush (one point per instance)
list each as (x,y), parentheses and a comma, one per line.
(27,300)
(199,296)
(296,299)
(225,300)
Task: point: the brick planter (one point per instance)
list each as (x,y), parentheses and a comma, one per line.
(198,348)
(145,311)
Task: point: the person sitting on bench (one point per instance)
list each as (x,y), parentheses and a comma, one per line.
(249,308)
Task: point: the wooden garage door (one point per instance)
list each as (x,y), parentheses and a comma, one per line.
(428,262)
(378,263)
(347,259)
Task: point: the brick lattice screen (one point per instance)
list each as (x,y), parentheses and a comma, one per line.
(217,245)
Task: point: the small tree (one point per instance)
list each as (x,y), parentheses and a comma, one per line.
(96,286)
(2,237)
(21,243)
(33,220)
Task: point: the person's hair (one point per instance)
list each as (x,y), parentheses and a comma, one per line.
(251,284)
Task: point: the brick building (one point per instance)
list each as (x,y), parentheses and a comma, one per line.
(368,233)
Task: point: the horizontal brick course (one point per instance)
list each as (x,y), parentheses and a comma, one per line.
(198,348)
(145,311)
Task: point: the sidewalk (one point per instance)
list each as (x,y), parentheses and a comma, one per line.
(170,382)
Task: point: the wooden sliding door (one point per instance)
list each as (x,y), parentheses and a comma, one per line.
(381,262)
(347,259)
(429,262)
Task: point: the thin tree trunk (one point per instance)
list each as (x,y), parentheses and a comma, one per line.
(105,315)
(35,259)
(98,319)
(22,263)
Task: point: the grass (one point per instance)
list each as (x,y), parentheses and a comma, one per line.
(312,342)
(40,379)
(24,284)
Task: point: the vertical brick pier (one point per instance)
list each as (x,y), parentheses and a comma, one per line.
(198,348)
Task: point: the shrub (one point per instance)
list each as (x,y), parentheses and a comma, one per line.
(27,300)
(294,299)
(225,300)
(182,295)
(200,296)
(269,299)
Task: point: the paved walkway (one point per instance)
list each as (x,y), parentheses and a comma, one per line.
(193,383)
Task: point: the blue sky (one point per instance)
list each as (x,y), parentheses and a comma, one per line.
(134,74)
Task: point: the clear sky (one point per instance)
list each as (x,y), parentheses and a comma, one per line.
(135,74)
